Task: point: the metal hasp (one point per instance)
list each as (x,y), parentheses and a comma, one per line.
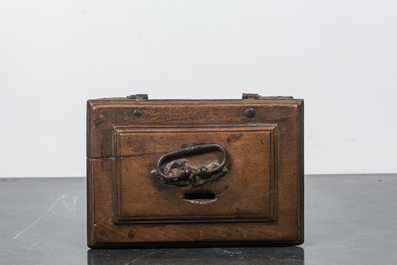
(179,172)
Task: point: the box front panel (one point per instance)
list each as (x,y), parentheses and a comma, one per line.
(258,201)
(245,193)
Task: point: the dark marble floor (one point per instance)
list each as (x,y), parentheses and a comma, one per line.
(349,219)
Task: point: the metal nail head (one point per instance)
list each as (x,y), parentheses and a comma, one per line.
(250,112)
(137,112)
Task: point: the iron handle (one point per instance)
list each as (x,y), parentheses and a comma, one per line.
(185,174)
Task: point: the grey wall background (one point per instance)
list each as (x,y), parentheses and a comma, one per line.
(340,56)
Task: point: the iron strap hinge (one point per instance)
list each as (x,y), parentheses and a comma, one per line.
(250,96)
(138,96)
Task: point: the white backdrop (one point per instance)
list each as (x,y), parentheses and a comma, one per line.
(340,56)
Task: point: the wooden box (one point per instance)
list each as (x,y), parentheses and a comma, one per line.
(181,173)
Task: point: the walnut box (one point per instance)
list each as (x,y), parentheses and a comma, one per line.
(194,173)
